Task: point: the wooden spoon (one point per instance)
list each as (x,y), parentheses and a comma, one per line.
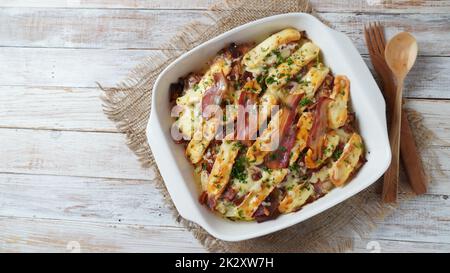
(400,55)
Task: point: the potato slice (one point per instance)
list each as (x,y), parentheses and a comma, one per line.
(314,79)
(345,165)
(280,75)
(255,58)
(337,109)
(304,124)
(259,193)
(265,143)
(295,198)
(201,139)
(221,170)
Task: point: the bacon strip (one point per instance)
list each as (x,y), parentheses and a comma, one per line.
(213,95)
(280,157)
(245,132)
(270,210)
(319,127)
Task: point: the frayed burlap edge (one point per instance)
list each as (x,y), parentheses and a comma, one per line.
(128,105)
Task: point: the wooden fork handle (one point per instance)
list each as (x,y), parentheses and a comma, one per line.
(390,183)
(411,159)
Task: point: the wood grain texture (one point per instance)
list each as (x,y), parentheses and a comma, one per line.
(89,154)
(53,108)
(383,6)
(66,67)
(151,29)
(53,235)
(395,246)
(112,201)
(427,78)
(416,214)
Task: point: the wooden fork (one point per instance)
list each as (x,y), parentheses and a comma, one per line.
(376,43)
(412,162)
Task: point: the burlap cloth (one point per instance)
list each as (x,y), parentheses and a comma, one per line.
(128,105)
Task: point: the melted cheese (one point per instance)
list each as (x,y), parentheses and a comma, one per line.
(304,124)
(344,166)
(314,79)
(329,145)
(343,135)
(220,173)
(243,188)
(280,75)
(320,176)
(201,139)
(255,58)
(189,120)
(259,192)
(252,87)
(267,142)
(337,109)
(295,198)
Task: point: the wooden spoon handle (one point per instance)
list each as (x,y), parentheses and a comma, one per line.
(409,154)
(390,184)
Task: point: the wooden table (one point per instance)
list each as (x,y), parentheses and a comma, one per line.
(67,179)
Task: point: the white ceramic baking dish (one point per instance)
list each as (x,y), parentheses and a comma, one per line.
(339,54)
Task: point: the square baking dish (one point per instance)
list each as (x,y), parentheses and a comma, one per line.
(339,54)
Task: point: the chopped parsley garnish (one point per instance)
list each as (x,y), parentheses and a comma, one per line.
(241,213)
(239,170)
(264,168)
(294,168)
(302,82)
(260,79)
(290,187)
(270,80)
(239,145)
(336,154)
(280,58)
(276,53)
(272,156)
(305,102)
(283,149)
(289,61)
